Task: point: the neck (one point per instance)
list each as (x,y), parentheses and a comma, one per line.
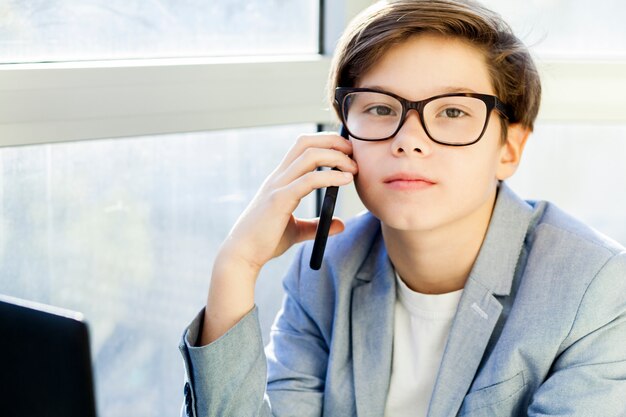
(438,261)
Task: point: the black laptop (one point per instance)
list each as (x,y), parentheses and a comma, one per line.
(45,362)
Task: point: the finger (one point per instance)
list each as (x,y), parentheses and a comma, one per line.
(284,200)
(313,180)
(336,226)
(314,158)
(307,228)
(322,140)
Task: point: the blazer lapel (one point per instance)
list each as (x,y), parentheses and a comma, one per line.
(474,322)
(373,300)
(479,310)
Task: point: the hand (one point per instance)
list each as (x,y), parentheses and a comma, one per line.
(267,228)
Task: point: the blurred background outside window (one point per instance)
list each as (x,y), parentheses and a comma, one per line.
(47,31)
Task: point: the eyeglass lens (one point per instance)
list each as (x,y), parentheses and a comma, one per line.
(452,120)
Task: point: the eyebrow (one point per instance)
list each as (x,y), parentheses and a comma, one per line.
(458,90)
(444,90)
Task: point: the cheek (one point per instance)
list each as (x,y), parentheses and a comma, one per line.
(364,181)
(485,155)
(472,168)
(364,176)
(363,156)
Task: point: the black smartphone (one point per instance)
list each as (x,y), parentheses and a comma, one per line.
(326,217)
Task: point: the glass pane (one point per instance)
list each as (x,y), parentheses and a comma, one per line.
(125,231)
(567,28)
(44,30)
(580,168)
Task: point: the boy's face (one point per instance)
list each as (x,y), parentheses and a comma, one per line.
(413,183)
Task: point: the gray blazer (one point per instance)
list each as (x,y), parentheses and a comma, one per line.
(540,330)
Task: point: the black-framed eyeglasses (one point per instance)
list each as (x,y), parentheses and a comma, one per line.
(455,119)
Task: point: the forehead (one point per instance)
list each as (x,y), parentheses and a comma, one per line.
(426,65)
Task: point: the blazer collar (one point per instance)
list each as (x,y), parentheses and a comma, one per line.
(495,265)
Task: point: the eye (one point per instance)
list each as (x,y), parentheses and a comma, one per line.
(380,110)
(452,113)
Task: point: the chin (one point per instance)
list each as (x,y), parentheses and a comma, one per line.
(400,216)
(403,218)
(408,225)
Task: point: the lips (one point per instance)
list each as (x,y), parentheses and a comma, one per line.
(408,181)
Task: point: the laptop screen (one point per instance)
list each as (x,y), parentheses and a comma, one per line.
(45,361)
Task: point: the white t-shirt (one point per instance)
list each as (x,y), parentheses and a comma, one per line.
(421,327)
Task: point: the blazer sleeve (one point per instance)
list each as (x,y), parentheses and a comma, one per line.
(229,377)
(588,377)
(297,353)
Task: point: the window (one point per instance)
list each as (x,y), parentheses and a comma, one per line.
(121,178)
(125,231)
(579,167)
(44,31)
(567,28)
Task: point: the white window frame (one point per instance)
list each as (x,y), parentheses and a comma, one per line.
(45,103)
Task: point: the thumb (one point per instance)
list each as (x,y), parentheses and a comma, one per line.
(307,228)
(336,226)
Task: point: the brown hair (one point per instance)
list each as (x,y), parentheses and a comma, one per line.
(387,23)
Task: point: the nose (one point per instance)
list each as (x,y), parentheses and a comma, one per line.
(411,139)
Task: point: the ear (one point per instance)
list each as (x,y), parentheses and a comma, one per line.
(511,151)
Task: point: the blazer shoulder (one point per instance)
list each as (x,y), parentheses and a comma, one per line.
(552,223)
(571,255)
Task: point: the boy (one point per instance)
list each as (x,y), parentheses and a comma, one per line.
(451,296)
